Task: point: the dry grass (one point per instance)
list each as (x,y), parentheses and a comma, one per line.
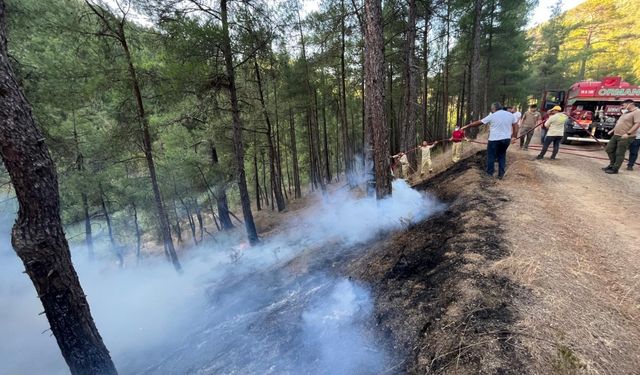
(584,279)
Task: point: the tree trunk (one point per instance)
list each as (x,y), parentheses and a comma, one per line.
(408,133)
(148,152)
(196,206)
(177,227)
(474,64)
(374,94)
(257,177)
(393,128)
(221,194)
(487,75)
(238,145)
(192,223)
(445,78)
(327,162)
(107,218)
(266,193)
(348,151)
(425,57)
(275,173)
(83,195)
(38,236)
(213,212)
(313,134)
(138,233)
(310,147)
(294,156)
(337,134)
(278,149)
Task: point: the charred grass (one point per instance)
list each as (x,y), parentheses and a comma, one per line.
(438,303)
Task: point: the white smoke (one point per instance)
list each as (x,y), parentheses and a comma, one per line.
(236,309)
(333,328)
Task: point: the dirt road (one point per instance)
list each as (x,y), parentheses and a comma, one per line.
(537,273)
(574,240)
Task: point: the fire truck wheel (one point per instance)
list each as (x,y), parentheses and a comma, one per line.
(565,140)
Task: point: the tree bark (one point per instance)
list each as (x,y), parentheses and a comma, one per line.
(38,236)
(348,151)
(487,75)
(138,232)
(445,78)
(221,194)
(327,162)
(408,133)
(273,167)
(374,94)
(425,57)
(107,218)
(257,177)
(83,195)
(474,64)
(294,156)
(198,210)
(238,145)
(266,193)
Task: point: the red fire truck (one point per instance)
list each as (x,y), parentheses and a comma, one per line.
(593,107)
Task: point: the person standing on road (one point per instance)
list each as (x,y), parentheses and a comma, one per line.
(543,131)
(502,129)
(624,133)
(555,131)
(633,152)
(529,121)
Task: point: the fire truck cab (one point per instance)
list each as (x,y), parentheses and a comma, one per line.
(592,106)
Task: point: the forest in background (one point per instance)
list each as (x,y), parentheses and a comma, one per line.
(117,84)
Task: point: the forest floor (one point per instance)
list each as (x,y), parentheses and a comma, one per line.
(536,273)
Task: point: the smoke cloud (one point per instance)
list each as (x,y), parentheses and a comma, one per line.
(236,309)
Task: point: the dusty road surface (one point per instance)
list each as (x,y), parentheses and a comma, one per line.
(574,242)
(538,273)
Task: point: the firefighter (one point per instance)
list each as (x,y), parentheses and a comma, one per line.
(554,127)
(624,133)
(425,151)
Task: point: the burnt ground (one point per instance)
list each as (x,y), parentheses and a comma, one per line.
(437,301)
(534,274)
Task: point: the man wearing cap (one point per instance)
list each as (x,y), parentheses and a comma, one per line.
(624,134)
(502,129)
(555,131)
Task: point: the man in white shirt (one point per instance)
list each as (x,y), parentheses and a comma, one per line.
(503,127)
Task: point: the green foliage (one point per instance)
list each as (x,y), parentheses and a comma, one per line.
(595,39)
